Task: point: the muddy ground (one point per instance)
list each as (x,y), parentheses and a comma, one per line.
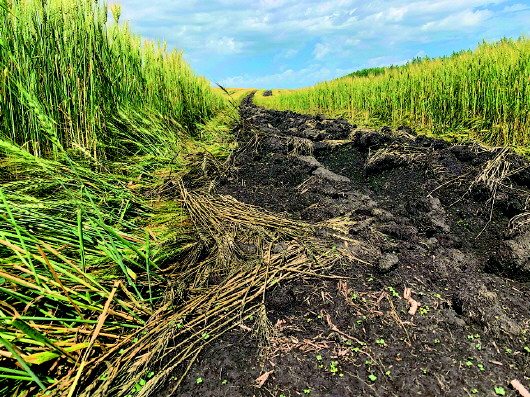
(449,222)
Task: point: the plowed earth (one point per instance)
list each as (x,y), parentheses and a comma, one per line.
(449,222)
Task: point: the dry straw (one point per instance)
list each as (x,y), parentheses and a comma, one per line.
(245,251)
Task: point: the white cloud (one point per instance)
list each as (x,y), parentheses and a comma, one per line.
(464,19)
(291,23)
(224,45)
(385,61)
(350,42)
(313,72)
(397,14)
(516,8)
(321,50)
(292,34)
(288,53)
(439,7)
(272,3)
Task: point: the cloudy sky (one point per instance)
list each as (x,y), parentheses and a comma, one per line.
(296,43)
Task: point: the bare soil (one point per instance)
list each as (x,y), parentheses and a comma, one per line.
(450,222)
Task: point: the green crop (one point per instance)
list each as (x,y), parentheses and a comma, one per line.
(483,93)
(66,70)
(91,117)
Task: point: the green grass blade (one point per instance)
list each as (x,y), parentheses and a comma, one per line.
(81,240)
(22,241)
(38,336)
(3,5)
(21,361)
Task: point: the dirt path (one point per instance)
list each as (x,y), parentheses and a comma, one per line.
(449,222)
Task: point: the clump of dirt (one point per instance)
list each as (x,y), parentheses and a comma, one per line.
(432,298)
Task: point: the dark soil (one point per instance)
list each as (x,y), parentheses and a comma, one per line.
(450,222)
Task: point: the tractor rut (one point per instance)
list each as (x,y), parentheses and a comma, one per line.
(428,223)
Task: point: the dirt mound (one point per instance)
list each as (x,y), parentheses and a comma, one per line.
(432,296)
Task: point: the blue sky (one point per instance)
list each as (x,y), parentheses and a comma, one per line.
(296,43)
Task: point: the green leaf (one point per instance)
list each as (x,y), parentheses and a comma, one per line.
(17,377)
(37,335)
(3,5)
(12,371)
(500,391)
(21,361)
(372,377)
(39,358)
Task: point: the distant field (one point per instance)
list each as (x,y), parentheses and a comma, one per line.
(235,94)
(483,94)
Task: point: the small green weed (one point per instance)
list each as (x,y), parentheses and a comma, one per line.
(424,309)
(393,291)
(500,391)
